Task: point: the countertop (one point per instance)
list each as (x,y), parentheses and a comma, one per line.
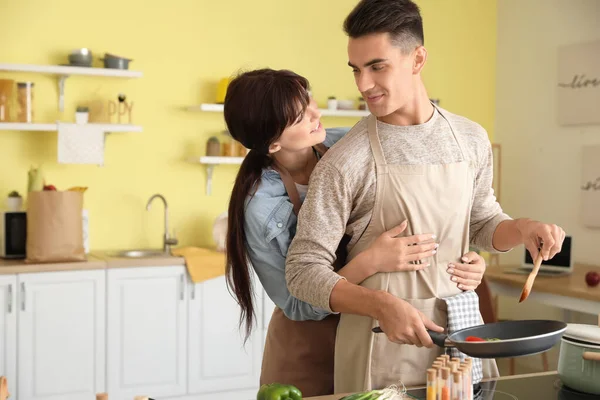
(340,395)
(572,285)
(99,259)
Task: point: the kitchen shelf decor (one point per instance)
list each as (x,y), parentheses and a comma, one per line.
(63,72)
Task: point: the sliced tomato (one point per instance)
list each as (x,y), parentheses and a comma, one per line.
(474,339)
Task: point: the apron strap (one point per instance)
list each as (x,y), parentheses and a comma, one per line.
(458,141)
(374,140)
(288,181)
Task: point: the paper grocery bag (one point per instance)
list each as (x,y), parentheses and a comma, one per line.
(54,227)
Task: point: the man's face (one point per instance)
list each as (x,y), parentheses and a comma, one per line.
(383,74)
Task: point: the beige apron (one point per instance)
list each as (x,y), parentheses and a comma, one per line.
(299,353)
(434,199)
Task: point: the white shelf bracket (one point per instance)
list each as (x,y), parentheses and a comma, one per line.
(209,174)
(61,92)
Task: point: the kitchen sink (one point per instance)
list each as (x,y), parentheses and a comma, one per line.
(141,253)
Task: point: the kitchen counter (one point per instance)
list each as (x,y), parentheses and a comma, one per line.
(95,260)
(572,285)
(543,385)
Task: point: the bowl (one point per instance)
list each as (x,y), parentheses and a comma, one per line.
(345,104)
(81,57)
(115,62)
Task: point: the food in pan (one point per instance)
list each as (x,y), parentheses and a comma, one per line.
(478,339)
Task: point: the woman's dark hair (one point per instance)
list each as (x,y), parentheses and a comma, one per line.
(401,19)
(259,106)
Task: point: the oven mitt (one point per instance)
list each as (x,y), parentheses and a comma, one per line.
(463,312)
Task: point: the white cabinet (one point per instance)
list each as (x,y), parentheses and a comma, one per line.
(147,330)
(8,330)
(218,359)
(61,344)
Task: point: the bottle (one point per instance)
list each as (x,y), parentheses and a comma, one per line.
(432,384)
(25,102)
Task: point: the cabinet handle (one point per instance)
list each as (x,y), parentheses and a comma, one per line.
(10,299)
(23,296)
(181,287)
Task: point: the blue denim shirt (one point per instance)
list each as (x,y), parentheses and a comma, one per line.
(270,225)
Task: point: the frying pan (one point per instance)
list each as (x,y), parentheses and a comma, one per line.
(517,338)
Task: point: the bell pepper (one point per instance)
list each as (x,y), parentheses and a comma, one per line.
(278,391)
(474,339)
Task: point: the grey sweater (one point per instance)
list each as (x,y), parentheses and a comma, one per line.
(341,194)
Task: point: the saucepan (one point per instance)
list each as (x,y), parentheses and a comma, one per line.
(502,339)
(579,359)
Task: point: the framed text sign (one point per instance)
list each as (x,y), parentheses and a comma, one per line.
(579,84)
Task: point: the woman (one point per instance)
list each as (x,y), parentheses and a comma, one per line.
(271,113)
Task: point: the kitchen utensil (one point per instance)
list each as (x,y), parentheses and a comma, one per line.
(115,62)
(81,57)
(531,278)
(3,388)
(517,338)
(579,358)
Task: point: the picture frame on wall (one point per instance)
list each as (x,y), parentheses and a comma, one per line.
(578,97)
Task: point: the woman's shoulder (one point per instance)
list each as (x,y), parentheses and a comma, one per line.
(332,135)
(268,211)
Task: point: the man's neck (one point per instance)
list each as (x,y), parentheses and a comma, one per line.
(416,112)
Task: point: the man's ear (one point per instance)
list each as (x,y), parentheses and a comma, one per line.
(274,147)
(419,60)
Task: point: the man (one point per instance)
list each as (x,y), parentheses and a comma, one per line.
(409,161)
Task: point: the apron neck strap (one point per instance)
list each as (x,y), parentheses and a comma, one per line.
(374,140)
(288,181)
(458,141)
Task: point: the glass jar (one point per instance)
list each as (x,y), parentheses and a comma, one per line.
(25,102)
(228,145)
(241,150)
(6,91)
(213,147)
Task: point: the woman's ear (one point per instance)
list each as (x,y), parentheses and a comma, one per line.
(420,59)
(274,147)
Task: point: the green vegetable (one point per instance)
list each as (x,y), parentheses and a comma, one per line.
(389,393)
(278,391)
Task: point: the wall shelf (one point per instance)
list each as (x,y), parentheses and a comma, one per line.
(64,71)
(211,163)
(324,112)
(37,127)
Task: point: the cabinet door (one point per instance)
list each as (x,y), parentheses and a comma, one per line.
(218,359)
(147,322)
(8,331)
(61,335)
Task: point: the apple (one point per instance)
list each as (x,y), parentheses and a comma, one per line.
(50,187)
(592,278)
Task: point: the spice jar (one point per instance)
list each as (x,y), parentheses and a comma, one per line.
(6,89)
(228,145)
(25,101)
(213,147)
(241,150)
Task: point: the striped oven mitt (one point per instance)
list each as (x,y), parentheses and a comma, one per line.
(463,312)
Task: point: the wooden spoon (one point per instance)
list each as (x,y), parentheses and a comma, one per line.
(3,388)
(531,278)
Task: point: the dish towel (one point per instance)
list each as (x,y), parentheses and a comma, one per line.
(80,144)
(463,312)
(202,264)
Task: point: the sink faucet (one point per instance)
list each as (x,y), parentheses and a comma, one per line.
(167,240)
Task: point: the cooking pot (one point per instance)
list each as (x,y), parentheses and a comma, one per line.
(115,62)
(579,359)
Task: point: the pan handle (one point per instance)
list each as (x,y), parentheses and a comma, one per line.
(591,356)
(438,338)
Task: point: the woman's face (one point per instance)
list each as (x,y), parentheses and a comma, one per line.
(304,133)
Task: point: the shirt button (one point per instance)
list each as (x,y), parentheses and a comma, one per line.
(279,225)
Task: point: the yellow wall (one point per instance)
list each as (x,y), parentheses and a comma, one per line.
(183,47)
